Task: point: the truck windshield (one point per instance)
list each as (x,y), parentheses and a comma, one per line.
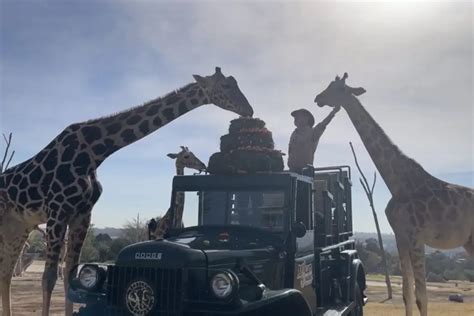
(263,209)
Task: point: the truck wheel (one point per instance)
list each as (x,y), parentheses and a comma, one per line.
(359,307)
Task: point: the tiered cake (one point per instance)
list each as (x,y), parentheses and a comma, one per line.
(248,148)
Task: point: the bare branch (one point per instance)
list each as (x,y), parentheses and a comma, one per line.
(8,142)
(9,160)
(373,184)
(358,167)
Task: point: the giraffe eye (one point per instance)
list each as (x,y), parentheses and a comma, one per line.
(186,157)
(226,86)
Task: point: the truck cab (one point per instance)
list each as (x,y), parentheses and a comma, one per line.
(257,244)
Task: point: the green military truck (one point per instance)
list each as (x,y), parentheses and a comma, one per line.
(261,244)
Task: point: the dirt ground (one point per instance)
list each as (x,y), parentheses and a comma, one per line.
(26,296)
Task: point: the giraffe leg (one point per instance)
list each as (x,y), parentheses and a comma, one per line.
(55,231)
(13,235)
(8,260)
(78,228)
(396,214)
(417,256)
(407,274)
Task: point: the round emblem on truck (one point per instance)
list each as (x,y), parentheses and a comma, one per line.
(139,298)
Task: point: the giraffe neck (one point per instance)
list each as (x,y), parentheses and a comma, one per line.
(401,174)
(179,202)
(104,136)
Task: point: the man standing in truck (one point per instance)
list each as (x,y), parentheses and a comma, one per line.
(305,138)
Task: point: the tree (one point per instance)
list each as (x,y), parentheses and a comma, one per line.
(89,251)
(135,230)
(369,191)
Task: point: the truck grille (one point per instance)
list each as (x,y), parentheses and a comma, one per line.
(144,291)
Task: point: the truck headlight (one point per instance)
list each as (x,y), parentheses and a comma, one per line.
(223,284)
(89,276)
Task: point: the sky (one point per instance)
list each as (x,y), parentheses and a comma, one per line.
(66,62)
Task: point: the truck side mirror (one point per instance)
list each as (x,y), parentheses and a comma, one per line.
(299,229)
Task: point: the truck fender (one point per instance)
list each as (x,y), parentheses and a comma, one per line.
(357,276)
(282,303)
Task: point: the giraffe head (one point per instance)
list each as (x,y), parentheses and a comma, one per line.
(338,93)
(186,159)
(224,92)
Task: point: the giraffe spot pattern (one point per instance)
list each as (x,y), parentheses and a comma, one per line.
(16,179)
(91,133)
(168,114)
(39,158)
(74,199)
(99,149)
(23,198)
(36,174)
(12,192)
(82,163)
(191,93)
(154,109)
(182,108)
(51,160)
(128,136)
(124,116)
(157,121)
(134,120)
(68,154)
(70,190)
(33,193)
(172,99)
(144,127)
(113,128)
(64,175)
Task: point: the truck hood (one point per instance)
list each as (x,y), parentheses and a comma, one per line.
(163,254)
(215,247)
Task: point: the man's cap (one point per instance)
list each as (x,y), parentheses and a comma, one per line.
(306,113)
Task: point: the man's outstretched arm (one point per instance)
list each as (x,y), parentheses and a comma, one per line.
(321,126)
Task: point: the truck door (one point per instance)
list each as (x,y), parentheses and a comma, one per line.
(304,256)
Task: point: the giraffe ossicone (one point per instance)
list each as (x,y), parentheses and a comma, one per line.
(58,186)
(422,210)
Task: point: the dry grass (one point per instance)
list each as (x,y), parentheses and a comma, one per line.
(26,296)
(438,294)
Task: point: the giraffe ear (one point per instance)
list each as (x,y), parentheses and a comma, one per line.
(172,156)
(357,91)
(200,80)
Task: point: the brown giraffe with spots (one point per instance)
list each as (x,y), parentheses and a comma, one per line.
(422,210)
(59,187)
(184,159)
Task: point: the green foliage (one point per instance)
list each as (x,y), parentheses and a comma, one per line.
(438,264)
(89,251)
(37,242)
(102,248)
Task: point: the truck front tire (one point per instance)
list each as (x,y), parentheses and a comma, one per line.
(359,307)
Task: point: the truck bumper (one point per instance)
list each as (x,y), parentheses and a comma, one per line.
(278,303)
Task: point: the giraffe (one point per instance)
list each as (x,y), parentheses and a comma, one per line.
(184,159)
(59,186)
(422,210)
